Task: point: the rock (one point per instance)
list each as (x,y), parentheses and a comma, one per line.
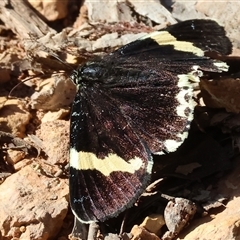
(54,93)
(32,206)
(111,236)
(222,93)
(23,163)
(177,215)
(153,10)
(55,139)
(110,12)
(141,233)
(184,10)
(52,10)
(115,11)
(3,99)
(14,156)
(52,116)
(223,225)
(153,223)
(14,117)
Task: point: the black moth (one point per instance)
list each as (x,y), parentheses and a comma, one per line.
(131,103)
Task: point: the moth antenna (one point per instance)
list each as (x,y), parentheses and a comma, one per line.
(51,53)
(9,94)
(60,60)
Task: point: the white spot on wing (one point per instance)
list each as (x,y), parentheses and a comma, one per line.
(184,97)
(186,102)
(183,104)
(222,66)
(172,145)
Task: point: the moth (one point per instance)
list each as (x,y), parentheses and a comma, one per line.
(130,104)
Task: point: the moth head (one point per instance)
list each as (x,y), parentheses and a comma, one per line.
(91,71)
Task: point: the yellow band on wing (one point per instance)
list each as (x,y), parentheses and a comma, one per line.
(165,38)
(111,163)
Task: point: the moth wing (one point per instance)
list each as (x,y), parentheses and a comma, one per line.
(193,36)
(142,104)
(109,164)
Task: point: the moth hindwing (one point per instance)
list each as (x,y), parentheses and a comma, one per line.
(131,103)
